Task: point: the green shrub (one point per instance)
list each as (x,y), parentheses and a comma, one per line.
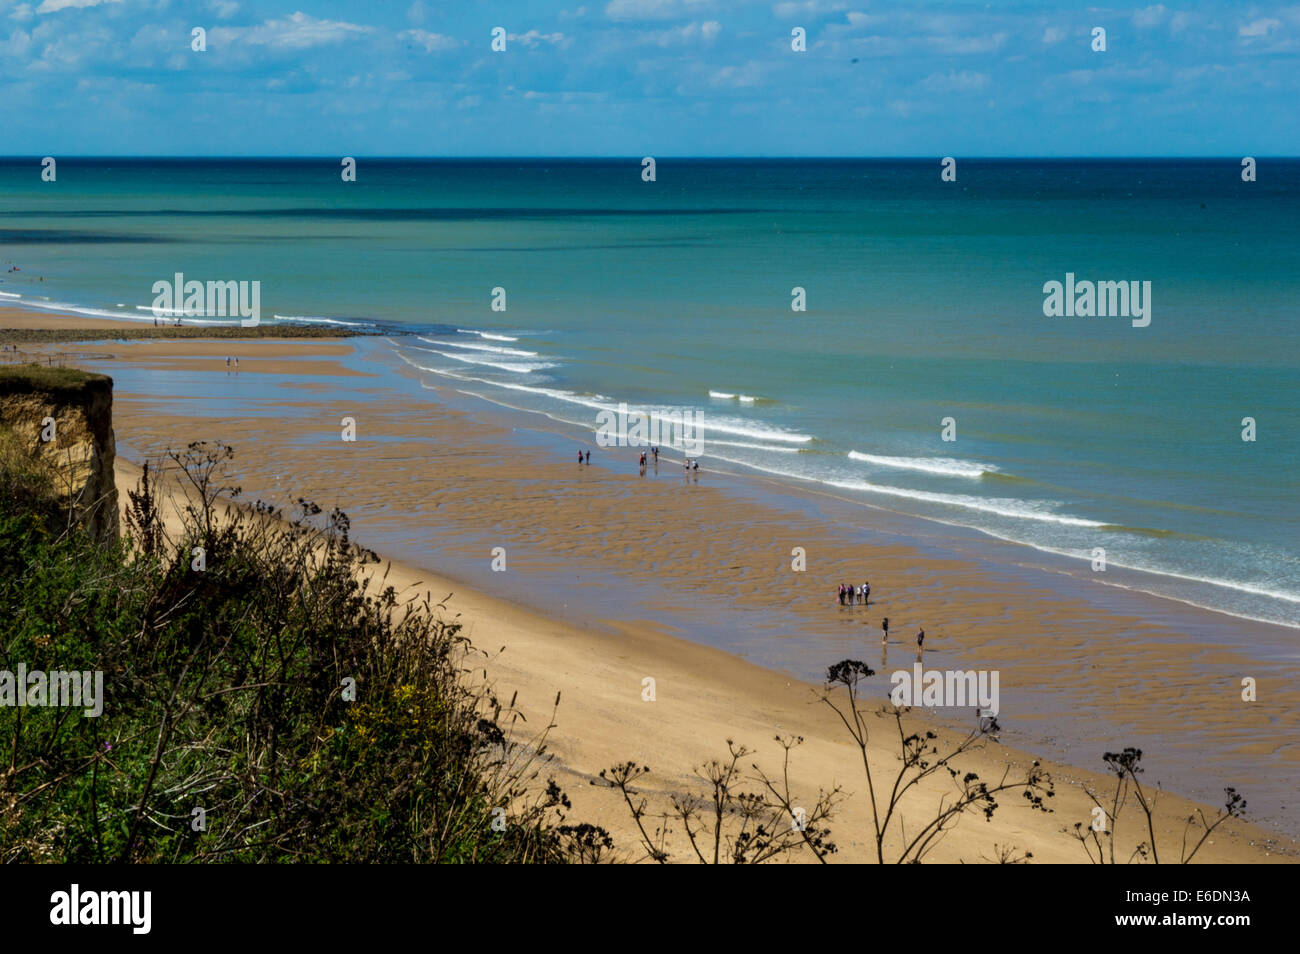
(225,692)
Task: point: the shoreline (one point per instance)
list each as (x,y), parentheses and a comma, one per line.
(299,369)
(592,673)
(1039,559)
(35,322)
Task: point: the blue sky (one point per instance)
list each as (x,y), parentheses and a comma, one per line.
(647,77)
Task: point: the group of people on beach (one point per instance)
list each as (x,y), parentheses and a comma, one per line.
(851,595)
(584,456)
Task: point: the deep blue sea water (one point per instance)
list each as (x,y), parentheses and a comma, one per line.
(924,302)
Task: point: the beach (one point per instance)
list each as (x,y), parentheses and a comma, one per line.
(611,577)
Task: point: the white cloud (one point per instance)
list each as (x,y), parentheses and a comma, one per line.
(533,37)
(690,33)
(1150,16)
(952,44)
(954,81)
(224,9)
(1053,35)
(651,9)
(17,45)
(430,41)
(54,6)
(22,13)
(297,32)
(808,8)
(1259,27)
(737,77)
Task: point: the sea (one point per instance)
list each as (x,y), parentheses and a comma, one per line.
(869,327)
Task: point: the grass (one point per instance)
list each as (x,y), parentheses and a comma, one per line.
(26,378)
(267,698)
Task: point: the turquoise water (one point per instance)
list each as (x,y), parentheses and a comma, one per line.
(924,302)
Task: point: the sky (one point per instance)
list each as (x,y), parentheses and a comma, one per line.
(647,78)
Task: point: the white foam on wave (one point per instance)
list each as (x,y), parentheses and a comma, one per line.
(495,349)
(1000,506)
(743,428)
(709,426)
(486,334)
(723,395)
(945,466)
(1253,589)
(49,305)
(317,319)
(1285,596)
(481,361)
(728,396)
(763,447)
(203,320)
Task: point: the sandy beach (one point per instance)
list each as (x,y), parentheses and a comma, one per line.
(613,577)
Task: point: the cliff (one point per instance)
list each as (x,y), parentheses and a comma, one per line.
(61,419)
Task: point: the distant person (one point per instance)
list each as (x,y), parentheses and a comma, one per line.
(696,464)
(588,457)
(655,451)
(841,594)
(579,458)
(866,592)
(920,639)
(884,626)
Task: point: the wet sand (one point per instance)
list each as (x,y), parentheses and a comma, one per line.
(614,567)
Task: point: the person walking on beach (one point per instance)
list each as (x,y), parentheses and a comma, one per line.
(695,464)
(841,594)
(588,457)
(866,593)
(884,628)
(655,451)
(920,639)
(579,458)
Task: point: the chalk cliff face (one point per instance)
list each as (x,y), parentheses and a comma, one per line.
(63,419)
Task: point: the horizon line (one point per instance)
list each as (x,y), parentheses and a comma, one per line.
(28,157)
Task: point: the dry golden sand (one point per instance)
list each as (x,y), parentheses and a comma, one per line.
(435,473)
